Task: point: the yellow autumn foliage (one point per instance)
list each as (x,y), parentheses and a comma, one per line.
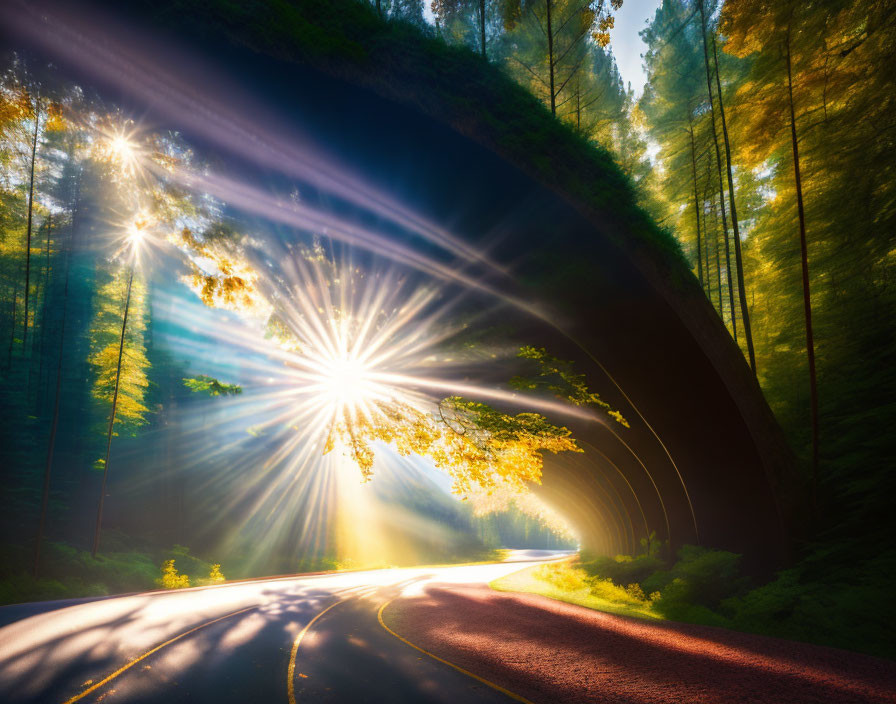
(170,578)
(476,445)
(105,338)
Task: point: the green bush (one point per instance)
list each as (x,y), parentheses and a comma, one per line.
(691,590)
(704,576)
(605,589)
(623,569)
(657,582)
(116,572)
(68,572)
(19,588)
(674,603)
(768,605)
(833,612)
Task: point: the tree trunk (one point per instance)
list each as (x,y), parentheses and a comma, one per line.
(30,221)
(738,259)
(715,139)
(804,262)
(550,34)
(12,330)
(696,202)
(124,324)
(482,28)
(718,262)
(51,445)
(43,317)
(706,239)
(578,106)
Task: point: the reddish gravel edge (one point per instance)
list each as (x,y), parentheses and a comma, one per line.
(550,651)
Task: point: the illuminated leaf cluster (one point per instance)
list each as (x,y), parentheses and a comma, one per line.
(170,578)
(475,444)
(220,273)
(559,378)
(211,386)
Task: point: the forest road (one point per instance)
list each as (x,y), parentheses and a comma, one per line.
(284,640)
(422,634)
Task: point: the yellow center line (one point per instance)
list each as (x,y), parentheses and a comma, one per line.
(150,652)
(484,681)
(291,671)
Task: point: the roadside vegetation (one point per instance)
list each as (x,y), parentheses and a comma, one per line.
(813,602)
(68,572)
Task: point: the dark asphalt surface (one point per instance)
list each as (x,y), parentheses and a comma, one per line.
(233,643)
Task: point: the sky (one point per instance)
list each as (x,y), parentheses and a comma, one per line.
(627,45)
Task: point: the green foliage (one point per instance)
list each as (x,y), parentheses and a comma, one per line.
(651,545)
(837,83)
(564,576)
(706,576)
(465,415)
(692,590)
(687,591)
(622,569)
(815,602)
(211,387)
(567,582)
(24,587)
(559,378)
(824,601)
(69,572)
(170,578)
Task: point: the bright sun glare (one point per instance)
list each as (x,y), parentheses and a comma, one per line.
(122,149)
(346,382)
(136,230)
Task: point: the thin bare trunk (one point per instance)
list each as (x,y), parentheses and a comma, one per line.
(51,445)
(715,139)
(482,28)
(550,34)
(738,259)
(706,233)
(804,262)
(124,324)
(30,221)
(12,330)
(578,106)
(43,311)
(718,262)
(696,202)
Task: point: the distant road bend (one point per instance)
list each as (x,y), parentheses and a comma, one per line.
(423,634)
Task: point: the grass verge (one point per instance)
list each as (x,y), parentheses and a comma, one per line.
(563,582)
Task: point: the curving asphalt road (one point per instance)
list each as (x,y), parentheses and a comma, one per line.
(238,643)
(425,634)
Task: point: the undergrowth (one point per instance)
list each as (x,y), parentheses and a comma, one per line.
(707,587)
